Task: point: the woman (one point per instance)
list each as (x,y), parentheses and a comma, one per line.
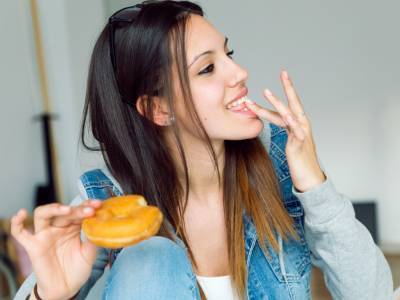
(168,107)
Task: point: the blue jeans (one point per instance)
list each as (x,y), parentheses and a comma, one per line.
(156,268)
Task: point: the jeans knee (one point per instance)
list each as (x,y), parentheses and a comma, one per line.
(153,249)
(155,265)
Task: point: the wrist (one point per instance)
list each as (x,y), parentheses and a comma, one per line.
(311,183)
(37,294)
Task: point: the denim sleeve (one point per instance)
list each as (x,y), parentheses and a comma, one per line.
(353,266)
(97,270)
(101,259)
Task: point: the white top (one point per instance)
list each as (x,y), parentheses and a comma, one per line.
(217,288)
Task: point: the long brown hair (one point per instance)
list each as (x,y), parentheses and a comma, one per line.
(134,147)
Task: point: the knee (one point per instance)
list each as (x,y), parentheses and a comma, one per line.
(157,255)
(153,248)
(150,270)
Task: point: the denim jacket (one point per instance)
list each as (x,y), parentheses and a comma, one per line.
(324,220)
(283,275)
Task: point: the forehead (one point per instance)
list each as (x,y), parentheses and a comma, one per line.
(201,36)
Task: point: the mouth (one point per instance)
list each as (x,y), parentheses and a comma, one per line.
(238,104)
(238,98)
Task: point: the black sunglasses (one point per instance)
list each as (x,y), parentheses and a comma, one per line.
(129,15)
(125,15)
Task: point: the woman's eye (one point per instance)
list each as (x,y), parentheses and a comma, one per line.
(210,68)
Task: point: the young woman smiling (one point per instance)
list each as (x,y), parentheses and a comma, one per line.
(246,203)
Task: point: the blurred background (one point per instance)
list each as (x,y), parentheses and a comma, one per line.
(341,55)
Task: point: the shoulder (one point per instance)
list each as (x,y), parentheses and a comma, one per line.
(278,139)
(98,183)
(273,136)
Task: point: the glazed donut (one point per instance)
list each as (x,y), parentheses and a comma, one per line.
(122,221)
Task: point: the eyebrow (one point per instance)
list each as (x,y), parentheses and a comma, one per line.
(206,52)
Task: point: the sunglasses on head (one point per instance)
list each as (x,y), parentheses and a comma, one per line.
(125,15)
(129,15)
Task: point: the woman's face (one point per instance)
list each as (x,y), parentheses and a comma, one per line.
(215,81)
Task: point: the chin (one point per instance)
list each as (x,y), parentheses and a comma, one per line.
(255,128)
(249,131)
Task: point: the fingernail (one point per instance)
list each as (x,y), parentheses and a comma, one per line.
(285,74)
(87,210)
(268,92)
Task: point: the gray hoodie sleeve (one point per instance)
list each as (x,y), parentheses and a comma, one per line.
(353,266)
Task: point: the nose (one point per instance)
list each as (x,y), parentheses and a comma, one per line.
(237,75)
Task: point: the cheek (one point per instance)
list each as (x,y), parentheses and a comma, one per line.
(208,99)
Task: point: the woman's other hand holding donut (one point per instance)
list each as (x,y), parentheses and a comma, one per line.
(60,260)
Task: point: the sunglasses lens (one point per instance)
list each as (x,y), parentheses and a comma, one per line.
(126,15)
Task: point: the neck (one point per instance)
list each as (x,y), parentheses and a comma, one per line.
(203,176)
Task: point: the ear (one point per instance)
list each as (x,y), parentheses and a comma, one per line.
(161,116)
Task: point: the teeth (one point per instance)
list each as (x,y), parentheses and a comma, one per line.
(238,102)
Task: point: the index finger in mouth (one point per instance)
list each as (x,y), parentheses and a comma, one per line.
(267,114)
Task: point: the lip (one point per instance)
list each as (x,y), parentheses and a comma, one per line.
(249,113)
(241,94)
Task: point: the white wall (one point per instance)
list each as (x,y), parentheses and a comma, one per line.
(21,157)
(70,29)
(342,56)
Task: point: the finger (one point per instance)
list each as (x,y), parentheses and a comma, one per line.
(282,109)
(90,202)
(293,99)
(296,128)
(95,202)
(42,214)
(18,231)
(265,113)
(78,213)
(45,215)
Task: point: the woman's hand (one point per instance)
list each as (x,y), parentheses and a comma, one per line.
(300,149)
(60,260)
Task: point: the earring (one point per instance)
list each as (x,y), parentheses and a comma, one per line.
(170,120)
